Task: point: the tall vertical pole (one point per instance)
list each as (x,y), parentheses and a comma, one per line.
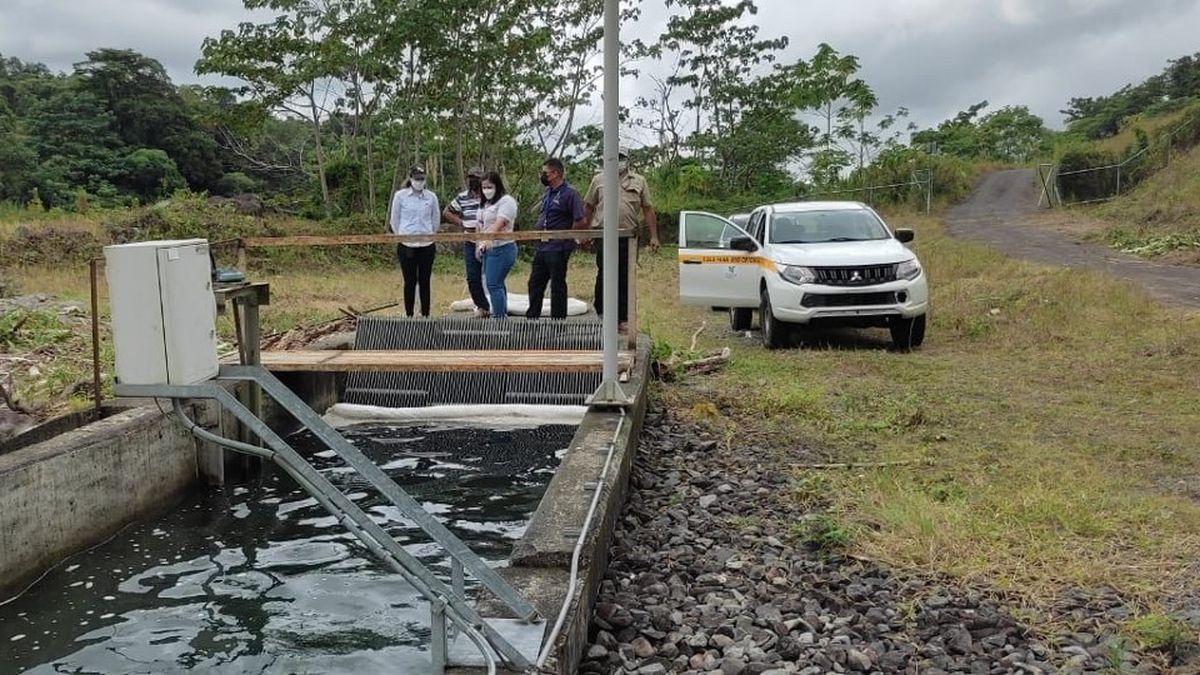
(610,391)
(97,392)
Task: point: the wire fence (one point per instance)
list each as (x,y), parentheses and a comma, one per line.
(1095,184)
(922,179)
(920,187)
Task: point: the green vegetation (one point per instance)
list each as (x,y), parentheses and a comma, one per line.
(334,101)
(1162,215)
(1156,631)
(1106,116)
(1022,453)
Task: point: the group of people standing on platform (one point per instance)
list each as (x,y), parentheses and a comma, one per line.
(485,206)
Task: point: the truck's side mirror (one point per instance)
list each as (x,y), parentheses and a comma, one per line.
(904,235)
(743,244)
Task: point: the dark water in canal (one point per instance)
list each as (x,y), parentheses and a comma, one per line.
(260,579)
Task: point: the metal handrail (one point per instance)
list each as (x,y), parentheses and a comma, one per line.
(371,534)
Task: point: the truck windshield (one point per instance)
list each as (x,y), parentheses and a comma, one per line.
(818,227)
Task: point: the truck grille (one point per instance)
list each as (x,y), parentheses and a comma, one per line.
(855,276)
(847,299)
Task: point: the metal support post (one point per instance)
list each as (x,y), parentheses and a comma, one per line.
(457,581)
(631,324)
(610,393)
(437,636)
(928,191)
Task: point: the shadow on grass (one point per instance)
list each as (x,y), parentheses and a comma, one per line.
(830,339)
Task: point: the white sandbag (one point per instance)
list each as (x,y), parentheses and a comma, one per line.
(518,304)
(507,416)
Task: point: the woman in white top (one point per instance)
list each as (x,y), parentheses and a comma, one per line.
(497,213)
(415,211)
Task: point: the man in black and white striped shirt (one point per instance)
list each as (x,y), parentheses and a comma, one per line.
(464,210)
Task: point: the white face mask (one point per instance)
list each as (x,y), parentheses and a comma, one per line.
(622,166)
(418,184)
(488,193)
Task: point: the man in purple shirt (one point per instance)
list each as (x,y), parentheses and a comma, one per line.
(562,209)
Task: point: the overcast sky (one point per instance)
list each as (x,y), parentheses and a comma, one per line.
(934,57)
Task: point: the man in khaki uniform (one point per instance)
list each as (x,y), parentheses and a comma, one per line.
(635,199)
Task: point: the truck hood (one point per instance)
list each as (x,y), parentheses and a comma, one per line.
(841,254)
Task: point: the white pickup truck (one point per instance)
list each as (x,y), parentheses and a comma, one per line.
(805,264)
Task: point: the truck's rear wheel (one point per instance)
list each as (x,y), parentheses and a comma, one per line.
(774,333)
(908,334)
(740,318)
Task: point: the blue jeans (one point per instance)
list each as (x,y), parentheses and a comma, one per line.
(497,261)
(474,268)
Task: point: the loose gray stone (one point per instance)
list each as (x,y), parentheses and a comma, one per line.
(642,648)
(596,652)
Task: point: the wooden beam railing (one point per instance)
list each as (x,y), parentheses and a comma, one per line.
(247,243)
(376,239)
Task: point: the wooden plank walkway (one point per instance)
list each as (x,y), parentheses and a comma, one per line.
(440,361)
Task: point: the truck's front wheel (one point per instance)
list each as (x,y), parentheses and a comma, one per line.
(908,334)
(774,333)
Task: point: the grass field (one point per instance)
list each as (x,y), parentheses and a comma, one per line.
(1048,422)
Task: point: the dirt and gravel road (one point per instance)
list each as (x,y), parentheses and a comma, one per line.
(1001,213)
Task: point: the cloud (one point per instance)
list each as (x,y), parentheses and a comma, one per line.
(934,57)
(60,32)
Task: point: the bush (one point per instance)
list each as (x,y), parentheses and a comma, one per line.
(150,173)
(236,183)
(48,244)
(1076,184)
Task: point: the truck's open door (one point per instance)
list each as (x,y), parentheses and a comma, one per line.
(719,264)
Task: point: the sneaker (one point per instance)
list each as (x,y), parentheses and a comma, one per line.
(482,313)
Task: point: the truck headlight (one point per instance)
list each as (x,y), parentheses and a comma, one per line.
(796,275)
(909,269)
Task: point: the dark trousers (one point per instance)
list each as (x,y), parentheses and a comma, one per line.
(622,279)
(416,264)
(474,268)
(548,267)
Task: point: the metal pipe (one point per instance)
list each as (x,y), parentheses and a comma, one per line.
(575,555)
(612,92)
(97,394)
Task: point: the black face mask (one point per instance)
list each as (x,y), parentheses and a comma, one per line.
(545,179)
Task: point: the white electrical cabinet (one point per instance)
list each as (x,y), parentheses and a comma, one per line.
(164,315)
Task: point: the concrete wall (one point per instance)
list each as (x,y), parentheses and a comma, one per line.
(72,491)
(541,560)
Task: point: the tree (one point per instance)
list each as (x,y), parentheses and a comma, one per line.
(77,145)
(1013,134)
(840,101)
(283,63)
(150,173)
(17,160)
(717,53)
(148,111)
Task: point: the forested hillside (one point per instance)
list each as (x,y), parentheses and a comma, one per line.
(333,99)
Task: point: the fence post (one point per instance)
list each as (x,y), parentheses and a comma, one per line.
(1118,180)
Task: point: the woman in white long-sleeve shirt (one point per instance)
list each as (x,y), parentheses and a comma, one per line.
(415,211)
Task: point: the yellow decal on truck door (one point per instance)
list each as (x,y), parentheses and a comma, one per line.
(708,259)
